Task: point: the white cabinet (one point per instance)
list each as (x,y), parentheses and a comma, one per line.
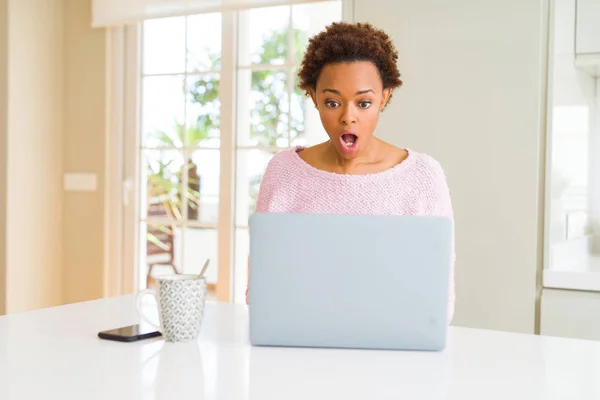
(587,32)
(587,36)
(570,313)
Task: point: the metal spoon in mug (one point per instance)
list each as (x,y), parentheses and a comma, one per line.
(204,267)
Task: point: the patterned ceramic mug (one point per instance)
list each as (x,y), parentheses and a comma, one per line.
(180,300)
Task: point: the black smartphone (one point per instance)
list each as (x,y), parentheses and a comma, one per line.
(131,333)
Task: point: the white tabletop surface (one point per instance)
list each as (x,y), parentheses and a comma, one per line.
(56,354)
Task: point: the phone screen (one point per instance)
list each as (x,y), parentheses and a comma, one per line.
(130,333)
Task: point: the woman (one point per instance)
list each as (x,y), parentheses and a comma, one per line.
(349,71)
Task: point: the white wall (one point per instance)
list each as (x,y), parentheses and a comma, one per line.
(3,135)
(472,98)
(52,112)
(34,154)
(84,147)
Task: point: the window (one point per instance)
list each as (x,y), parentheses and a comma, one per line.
(572,256)
(183,151)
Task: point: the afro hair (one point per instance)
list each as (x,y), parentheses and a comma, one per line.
(343,42)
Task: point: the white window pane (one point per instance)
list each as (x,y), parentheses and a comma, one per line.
(179,109)
(162,173)
(160,252)
(311,18)
(570,167)
(306,128)
(263,35)
(263,109)
(203,111)
(203,186)
(242,250)
(204,42)
(250,167)
(164,46)
(198,245)
(170,248)
(163,102)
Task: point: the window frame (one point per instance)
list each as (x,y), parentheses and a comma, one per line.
(122,171)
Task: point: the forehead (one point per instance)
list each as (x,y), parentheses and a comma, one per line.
(352,76)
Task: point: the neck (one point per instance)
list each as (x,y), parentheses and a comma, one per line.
(368,155)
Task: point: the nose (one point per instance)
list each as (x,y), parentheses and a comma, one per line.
(348,116)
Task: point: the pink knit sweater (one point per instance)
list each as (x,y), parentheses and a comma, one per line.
(416,186)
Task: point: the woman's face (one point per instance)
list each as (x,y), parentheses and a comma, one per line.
(349,97)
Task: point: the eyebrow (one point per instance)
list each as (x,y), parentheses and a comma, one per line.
(357,93)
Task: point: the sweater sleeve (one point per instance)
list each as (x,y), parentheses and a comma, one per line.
(440,204)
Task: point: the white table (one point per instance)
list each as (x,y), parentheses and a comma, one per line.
(56,354)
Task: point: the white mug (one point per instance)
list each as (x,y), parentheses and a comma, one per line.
(180,300)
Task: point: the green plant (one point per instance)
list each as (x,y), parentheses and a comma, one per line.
(152,238)
(163,186)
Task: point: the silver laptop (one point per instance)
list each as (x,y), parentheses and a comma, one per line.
(349,281)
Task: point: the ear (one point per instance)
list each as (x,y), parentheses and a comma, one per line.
(386,96)
(313,96)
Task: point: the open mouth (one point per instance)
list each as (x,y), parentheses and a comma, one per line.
(349,139)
